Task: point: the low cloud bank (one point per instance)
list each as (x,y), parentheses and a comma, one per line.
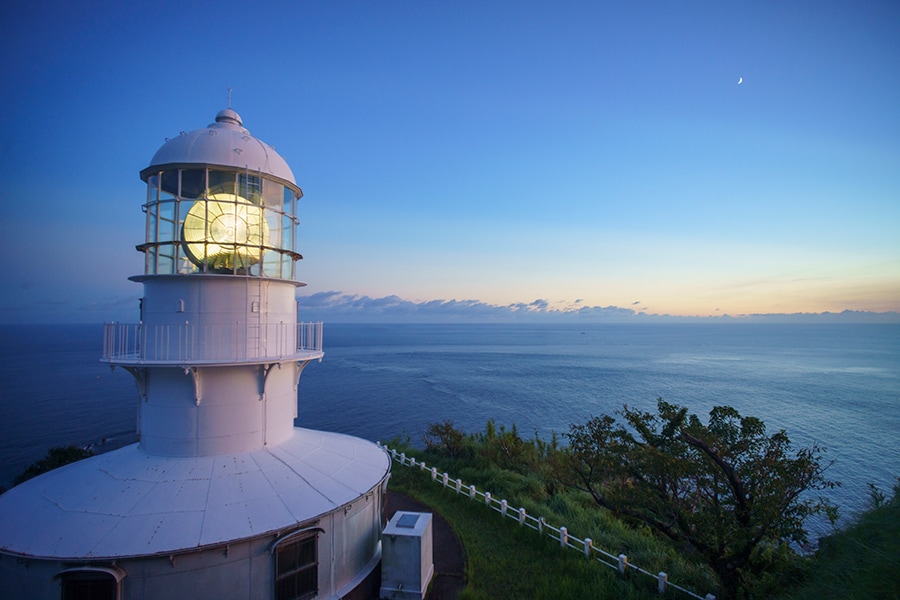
(351,308)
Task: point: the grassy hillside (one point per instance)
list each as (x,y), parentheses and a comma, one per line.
(862,561)
(509,561)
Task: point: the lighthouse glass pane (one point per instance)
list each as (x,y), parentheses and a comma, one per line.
(193,183)
(221,182)
(150,261)
(169,184)
(288,201)
(272,194)
(250,187)
(183,209)
(288,233)
(152,216)
(271,264)
(152,189)
(273,222)
(165,262)
(166,221)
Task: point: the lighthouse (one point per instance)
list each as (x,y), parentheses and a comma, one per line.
(222,496)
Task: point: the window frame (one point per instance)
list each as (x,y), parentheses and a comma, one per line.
(295,539)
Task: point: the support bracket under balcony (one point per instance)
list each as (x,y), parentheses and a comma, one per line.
(298,369)
(141,378)
(264,371)
(195,374)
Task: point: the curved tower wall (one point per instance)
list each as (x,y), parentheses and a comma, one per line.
(232,413)
(200,319)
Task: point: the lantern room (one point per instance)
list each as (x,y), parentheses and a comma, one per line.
(220,201)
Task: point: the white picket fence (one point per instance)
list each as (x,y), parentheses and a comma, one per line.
(539,524)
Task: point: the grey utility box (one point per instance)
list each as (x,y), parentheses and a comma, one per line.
(406,556)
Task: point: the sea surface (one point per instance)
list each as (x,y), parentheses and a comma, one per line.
(835,385)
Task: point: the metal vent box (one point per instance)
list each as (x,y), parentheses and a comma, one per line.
(406,556)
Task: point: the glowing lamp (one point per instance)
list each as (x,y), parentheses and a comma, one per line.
(227,230)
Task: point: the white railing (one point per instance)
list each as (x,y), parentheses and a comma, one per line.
(559,534)
(138,343)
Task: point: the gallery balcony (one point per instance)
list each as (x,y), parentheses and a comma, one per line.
(186,344)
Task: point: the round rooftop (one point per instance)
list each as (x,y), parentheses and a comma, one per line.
(224,143)
(127,503)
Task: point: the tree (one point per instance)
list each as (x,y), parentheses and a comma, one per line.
(444,436)
(727,489)
(56,457)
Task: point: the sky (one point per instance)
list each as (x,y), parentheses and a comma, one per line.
(474,160)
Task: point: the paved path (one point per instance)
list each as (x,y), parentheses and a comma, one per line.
(448,554)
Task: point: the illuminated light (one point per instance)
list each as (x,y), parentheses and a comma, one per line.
(228,230)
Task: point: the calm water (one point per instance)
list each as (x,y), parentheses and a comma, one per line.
(838,385)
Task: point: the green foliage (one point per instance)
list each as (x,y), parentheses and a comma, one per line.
(504,560)
(56,457)
(876,496)
(519,470)
(863,561)
(726,489)
(444,437)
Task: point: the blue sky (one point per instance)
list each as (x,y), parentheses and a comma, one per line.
(489,159)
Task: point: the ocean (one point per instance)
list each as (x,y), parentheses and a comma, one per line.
(836,385)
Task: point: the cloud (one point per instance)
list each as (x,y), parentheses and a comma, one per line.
(340,307)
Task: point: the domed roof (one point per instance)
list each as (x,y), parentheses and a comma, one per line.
(225,143)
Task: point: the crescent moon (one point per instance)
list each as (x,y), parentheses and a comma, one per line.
(740,80)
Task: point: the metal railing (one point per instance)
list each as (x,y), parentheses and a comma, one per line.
(186,343)
(539,524)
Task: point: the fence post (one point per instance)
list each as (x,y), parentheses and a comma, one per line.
(587,547)
(623,563)
(521,516)
(503,506)
(472,492)
(412,461)
(403,458)
(446,478)
(458,485)
(663,580)
(563,537)
(487,498)
(541,523)
(434,473)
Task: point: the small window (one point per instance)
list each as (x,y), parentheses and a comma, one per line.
(90,584)
(297,568)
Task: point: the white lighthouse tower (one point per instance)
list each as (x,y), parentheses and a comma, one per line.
(222,497)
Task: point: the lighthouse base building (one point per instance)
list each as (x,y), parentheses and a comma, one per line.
(222,497)
(302,519)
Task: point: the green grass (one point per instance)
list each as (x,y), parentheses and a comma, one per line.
(863,561)
(506,560)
